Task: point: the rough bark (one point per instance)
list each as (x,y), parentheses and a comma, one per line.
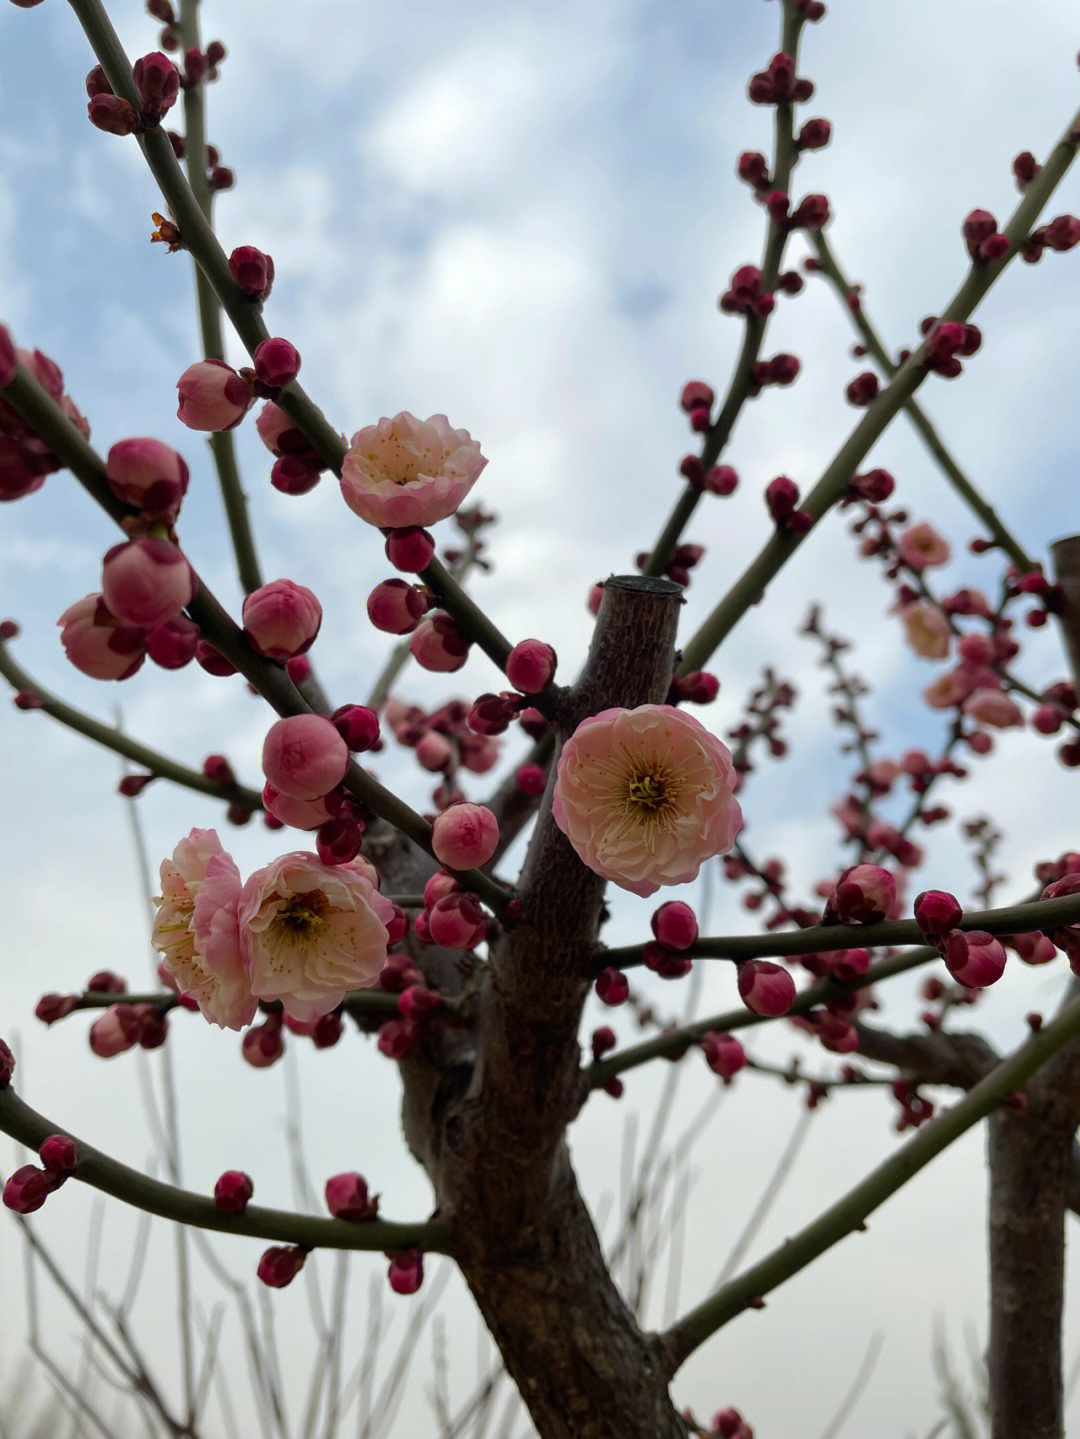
(487,1107)
(1030,1155)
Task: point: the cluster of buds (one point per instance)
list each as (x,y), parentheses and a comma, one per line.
(297,466)
(123,1026)
(681,561)
(451,916)
(1066,936)
(198,64)
(914,1109)
(946,341)
(1061,234)
(780,370)
(29,1187)
(782,499)
(763,719)
(157,81)
(717,480)
(983,239)
(25,459)
(779,85)
(453,736)
(811,213)
(974,958)
(746,294)
(697,401)
(1050,597)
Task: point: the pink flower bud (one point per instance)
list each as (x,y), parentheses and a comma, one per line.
(7,1065)
(457,921)
(212,396)
(173,644)
(850,965)
(975,958)
(112,114)
(357,725)
(667,963)
(416,1002)
(937,911)
(277,362)
(434,751)
(530,666)
(281,619)
(296,813)
(395,607)
(262,1045)
(51,1007)
(338,840)
(696,393)
(437,644)
(766,988)
(158,83)
(438,886)
(531,779)
(396,1039)
(59,1154)
(115,1032)
(99,644)
(675,925)
(304,757)
(252,270)
(603,1039)
(863,894)
(212,660)
(280,1265)
(104,981)
(612,987)
(465,836)
(406,1272)
(724,1055)
(863,388)
(278,431)
(410,549)
(347,1198)
(233,1191)
(28,1188)
(146,582)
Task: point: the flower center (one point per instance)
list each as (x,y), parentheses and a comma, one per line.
(646,792)
(301,916)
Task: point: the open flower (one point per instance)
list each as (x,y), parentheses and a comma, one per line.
(310,931)
(196,929)
(407,471)
(645,795)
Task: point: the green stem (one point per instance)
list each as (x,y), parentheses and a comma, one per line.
(934,443)
(246,314)
(778,549)
(754,333)
(110,1176)
(850,1212)
(222,446)
(160,765)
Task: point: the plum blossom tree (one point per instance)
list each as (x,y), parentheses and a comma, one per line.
(472,971)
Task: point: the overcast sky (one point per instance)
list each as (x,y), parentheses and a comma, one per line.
(521,215)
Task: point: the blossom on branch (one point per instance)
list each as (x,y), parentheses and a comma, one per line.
(407,471)
(310,931)
(645,795)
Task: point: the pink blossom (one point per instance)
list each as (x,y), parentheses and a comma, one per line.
(212,396)
(464,836)
(149,475)
(99,644)
(281,619)
(927,629)
(948,690)
(922,547)
(992,707)
(196,929)
(309,932)
(147,581)
(645,795)
(407,471)
(304,757)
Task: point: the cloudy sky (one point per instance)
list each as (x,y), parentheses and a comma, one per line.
(521,215)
